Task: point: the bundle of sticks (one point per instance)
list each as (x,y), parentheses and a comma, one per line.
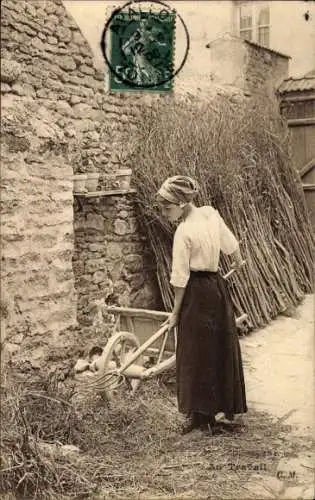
(240,154)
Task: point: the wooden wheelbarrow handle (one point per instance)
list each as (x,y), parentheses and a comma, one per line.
(233,270)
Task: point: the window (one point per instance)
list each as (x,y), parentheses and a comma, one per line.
(254,21)
(246,21)
(263,25)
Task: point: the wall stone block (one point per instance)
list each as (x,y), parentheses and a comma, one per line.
(99,277)
(96,247)
(83,281)
(87,70)
(94,221)
(75,99)
(134,263)
(67,63)
(63,34)
(113,250)
(5,87)
(136,281)
(52,40)
(38,44)
(10,70)
(49,7)
(64,108)
(121,227)
(93,265)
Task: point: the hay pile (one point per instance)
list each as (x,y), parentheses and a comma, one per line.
(239,152)
(55,445)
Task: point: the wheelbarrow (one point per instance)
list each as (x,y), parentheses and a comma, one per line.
(139,349)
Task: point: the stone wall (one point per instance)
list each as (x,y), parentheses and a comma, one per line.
(265,69)
(57,69)
(247,66)
(112,259)
(57,115)
(36,226)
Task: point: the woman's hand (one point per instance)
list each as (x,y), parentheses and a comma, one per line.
(173,321)
(237,260)
(237,264)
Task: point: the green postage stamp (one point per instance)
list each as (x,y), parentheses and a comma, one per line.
(141,54)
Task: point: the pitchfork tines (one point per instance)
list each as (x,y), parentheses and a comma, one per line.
(110,380)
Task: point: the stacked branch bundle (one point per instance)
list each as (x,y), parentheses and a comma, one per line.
(240,153)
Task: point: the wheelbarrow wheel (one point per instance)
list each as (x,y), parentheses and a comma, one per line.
(119,348)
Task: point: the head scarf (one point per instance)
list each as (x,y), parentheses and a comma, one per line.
(179,189)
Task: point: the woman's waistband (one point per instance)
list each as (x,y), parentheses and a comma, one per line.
(203,273)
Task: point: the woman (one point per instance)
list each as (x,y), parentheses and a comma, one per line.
(209,369)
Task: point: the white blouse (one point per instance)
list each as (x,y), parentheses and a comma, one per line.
(197,244)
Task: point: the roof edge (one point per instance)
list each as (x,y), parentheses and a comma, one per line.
(254,44)
(285,86)
(298,78)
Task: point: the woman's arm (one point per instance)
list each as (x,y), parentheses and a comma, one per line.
(179,295)
(229,244)
(180,272)
(174,317)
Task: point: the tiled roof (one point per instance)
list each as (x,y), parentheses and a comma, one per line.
(297,84)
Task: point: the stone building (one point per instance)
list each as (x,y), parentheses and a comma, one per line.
(59,256)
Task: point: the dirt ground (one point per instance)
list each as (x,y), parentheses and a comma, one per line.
(280,367)
(279,374)
(272,454)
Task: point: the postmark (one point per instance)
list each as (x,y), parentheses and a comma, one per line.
(138,45)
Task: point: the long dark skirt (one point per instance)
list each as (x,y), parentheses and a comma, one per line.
(209,367)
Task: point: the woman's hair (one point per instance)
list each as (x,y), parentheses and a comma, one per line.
(178,189)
